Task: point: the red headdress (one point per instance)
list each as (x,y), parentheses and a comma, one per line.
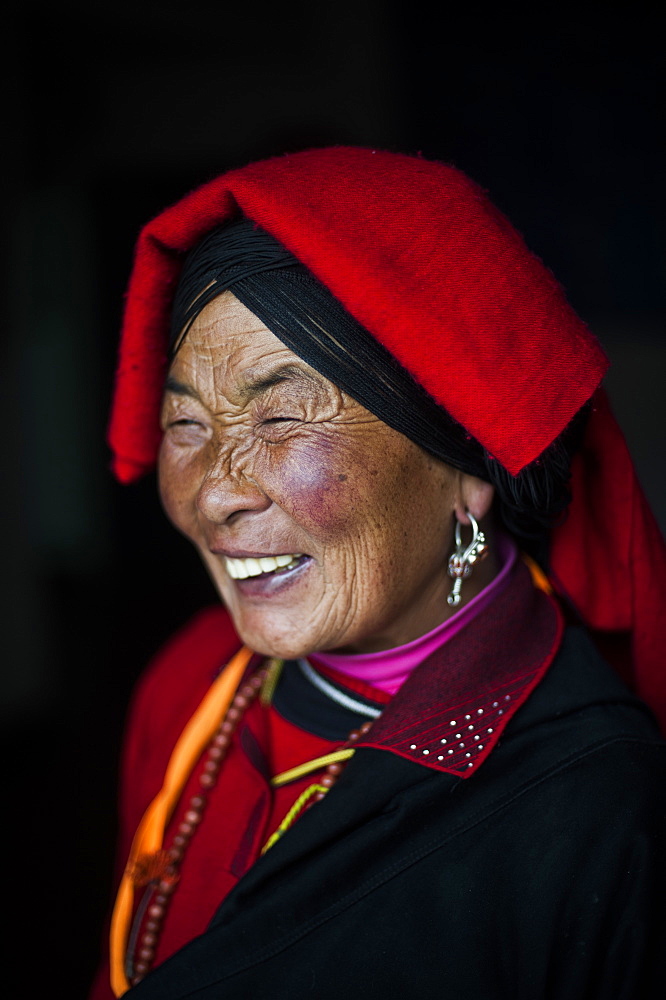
(423,260)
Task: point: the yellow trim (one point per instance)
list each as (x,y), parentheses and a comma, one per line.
(273,671)
(292,814)
(149,836)
(310,765)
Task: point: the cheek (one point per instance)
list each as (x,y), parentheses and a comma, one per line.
(177,487)
(384,495)
(319,484)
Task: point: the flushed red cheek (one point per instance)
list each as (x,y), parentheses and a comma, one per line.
(317,486)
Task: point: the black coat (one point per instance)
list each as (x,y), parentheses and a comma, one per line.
(543,875)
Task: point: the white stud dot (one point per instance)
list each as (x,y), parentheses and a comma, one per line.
(453,722)
(440,758)
(443,741)
(458,735)
(480,746)
(477,737)
(450,751)
(425,753)
(507,697)
(413,746)
(470,727)
(462,744)
(491,730)
(468,755)
(495,704)
(470,765)
(479,711)
(468,717)
(501,711)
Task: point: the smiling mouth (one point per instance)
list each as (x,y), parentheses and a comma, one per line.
(243,569)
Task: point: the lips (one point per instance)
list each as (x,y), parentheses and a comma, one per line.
(244,568)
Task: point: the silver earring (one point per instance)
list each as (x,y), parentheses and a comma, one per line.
(464,558)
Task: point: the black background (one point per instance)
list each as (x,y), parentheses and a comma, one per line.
(113,111)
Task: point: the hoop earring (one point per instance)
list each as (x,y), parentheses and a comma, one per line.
(465,557)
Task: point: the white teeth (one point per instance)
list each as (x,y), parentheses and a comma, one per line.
(241,569)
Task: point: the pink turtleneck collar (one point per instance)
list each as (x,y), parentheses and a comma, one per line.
(390,668)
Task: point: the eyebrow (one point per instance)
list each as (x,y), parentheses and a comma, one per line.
(252,386)
(179,388)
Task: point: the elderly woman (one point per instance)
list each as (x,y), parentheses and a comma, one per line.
(393,761)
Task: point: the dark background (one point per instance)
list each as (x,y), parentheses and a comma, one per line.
(114,111)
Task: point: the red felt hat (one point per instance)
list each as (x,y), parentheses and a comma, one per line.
(420,257)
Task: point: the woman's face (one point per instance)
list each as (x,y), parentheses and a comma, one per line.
(264,462)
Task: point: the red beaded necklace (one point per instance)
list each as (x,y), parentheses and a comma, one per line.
(161,870)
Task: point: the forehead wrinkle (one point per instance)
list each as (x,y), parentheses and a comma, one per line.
(230,353)
(227,315)
(239,371)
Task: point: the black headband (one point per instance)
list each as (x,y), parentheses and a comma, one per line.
(221,259)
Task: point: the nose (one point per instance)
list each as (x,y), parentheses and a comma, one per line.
(225,493)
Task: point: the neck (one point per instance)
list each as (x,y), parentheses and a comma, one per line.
(432,610)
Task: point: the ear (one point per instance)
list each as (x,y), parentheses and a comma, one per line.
(476,496)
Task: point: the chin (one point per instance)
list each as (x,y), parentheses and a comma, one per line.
(280,647)
(283,641)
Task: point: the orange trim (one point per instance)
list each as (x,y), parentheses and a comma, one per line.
(150,833)
(539,578)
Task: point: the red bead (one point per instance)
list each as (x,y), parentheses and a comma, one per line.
(193,816)
(365,727)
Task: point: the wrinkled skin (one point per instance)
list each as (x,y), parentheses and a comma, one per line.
(261,456)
